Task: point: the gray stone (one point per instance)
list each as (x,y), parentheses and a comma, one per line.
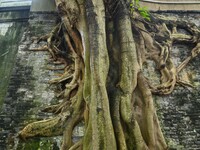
(43,6)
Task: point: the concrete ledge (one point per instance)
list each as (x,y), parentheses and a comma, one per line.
(17,8)
(171,2)
(14,20)
(160,5)
(43,6)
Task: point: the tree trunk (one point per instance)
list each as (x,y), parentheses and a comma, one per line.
(106,46)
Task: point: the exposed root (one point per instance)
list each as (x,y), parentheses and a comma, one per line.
(67,133)
(53,69)
(50,127)
(51,108)
(151,131)
(196,50)
(63,77)
(44,48)
(39,39)
(56,109)
(185,84)
(183,64)
(160,44)
(77,146)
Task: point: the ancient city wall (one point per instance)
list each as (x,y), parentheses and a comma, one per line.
(25,90)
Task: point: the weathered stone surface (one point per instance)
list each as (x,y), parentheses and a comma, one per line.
(28,90)
(179,112)
(171,5)
(43,6)
(10,34)
(15,3)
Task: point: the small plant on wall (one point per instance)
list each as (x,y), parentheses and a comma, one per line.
(135,6)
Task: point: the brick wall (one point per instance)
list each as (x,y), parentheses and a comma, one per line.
(28,90)
(180,112)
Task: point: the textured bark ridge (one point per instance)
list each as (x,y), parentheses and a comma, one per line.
(104,47)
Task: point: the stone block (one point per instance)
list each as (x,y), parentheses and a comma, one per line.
(43,6)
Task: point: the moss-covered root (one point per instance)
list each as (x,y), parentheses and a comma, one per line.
(151,132)
(45,128)
(76,117)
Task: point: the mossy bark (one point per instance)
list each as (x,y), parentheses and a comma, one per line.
(106,46)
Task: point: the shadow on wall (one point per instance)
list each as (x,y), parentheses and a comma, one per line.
(10,34)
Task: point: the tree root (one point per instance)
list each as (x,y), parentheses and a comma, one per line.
(185,83)
(45,128)
(64,77)
(42,38)
(162,42)
(152,131)
(51,108)
(44,48)
(67,133)
(53,69)
(77,146)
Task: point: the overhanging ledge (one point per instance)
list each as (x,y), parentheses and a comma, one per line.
(176,5)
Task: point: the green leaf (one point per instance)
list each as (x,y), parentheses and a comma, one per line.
(142,10)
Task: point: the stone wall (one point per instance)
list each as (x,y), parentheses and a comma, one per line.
(29,92)
(14,3)
(171,5)
(43,6)
(12,25)
(179,112)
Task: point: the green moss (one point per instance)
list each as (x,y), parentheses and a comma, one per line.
(30,145)
(174,146)
(38,144)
